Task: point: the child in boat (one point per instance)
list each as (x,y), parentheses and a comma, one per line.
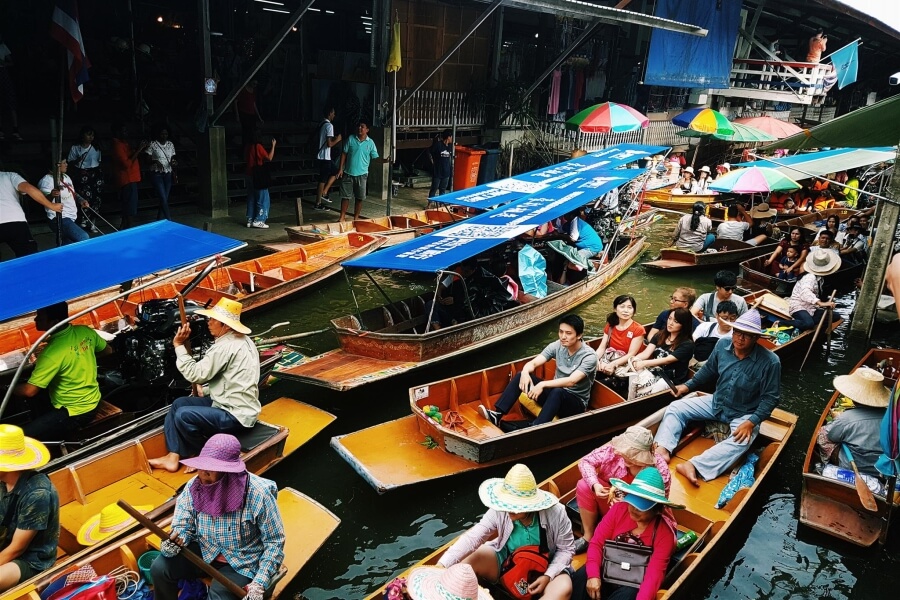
(519,514)
(786,264)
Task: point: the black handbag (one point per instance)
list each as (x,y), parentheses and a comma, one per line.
(626,563)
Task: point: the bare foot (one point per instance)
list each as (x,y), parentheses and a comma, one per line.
(169,462)
(688,470)
(664,453)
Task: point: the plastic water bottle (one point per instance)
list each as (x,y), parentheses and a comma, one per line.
(847,476)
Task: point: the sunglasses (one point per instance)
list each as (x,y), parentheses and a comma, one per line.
(728,288)
(674,299)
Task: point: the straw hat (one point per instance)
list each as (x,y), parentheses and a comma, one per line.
(646,491)
(108,521)
(458,582)
(763,211)
(864,386)
(221,453)
(20,453)
(822,262)
(704,169)
(636,444)
(229,312)
(517,492)
(749,322)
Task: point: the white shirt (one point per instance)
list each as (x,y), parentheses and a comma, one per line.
(10,207)
(84,158)
(732,230)
(326,130)
(66,196)
(711,329)
(161,155)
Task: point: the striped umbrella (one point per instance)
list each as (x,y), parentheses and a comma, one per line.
(704,120)
(608,117)
(742,134)
(776,127)
(754,180)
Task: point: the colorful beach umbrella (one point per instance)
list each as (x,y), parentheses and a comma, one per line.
(742,134)
(608,117)
(774,127)
(704,120)
(754,180)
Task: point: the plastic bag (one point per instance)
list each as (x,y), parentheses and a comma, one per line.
(532,272)
(744,478)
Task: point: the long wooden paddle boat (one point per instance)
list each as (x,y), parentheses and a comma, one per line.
(834,507)
(726,252)
(772,308)
(755,275)
(667,199)
(396,228)
(712,525)
(392,454)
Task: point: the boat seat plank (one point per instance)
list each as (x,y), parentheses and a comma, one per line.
(303,421)
(699,500)
(338,367)
(477,427)
(105,411)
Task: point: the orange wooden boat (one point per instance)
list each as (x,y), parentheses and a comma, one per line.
(754,275)
(396,228)
(666,198)
(834,507)
(712,525)
(727,252)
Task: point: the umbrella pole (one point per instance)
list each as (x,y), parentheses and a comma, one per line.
(696,152)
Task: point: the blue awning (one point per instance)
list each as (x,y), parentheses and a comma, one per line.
(68,272)
(446,247)
(811,164)
(513,188)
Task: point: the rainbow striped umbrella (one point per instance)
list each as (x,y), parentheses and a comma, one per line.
(754,180)
(608,117)
(704,120)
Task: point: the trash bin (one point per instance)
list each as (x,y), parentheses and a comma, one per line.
(487,172)
(465,170)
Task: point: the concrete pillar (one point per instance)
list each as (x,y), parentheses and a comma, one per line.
(380,173)
(213,173)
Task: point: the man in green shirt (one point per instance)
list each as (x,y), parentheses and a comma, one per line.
(67,369)
(359,151)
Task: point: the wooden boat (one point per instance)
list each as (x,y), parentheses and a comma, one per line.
(727,252)
(808,220)
(774,308)
(396,228)
(122,472)
(665,198)
(392,454)
(389,340)
(832,506)
(712,525)
(641,221)
(754,276)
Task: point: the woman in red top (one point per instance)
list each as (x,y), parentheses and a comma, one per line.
(796,240)
(258,199)
(622,336)
(127,172)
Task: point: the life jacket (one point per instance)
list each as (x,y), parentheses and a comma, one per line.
(822,203)
(777,200)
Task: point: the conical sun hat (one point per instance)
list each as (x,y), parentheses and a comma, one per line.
(20,453)
(864,386)
(229,312)
(646,491)
(822,262)
(108,521)
(517,492)
(458,582)
(635,444)
(750,322)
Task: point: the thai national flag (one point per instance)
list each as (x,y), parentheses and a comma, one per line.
(64,29)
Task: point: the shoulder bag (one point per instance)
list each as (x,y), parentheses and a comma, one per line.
(524,566)
(625,562)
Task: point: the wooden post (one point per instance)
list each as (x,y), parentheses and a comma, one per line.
(298,209)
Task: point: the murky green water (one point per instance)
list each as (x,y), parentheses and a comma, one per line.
(769,555)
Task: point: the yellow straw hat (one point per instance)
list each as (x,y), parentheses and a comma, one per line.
(864,386)
(108,521)
(229,312)
(517,492)
(20,453)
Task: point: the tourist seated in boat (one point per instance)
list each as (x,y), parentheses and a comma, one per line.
(859,426)
(823,201)
(701,186)
(762,227)
(228,516)
(825,240)
(685,185)
(29,509)
(622,457)
(833,224)
(670,350)
(643,516)
(739,224)
(622,340)
(786,270)
(682,297)
(790,207)
(229,374)
(568,393)
(473,293)
(458,582)
(747,379)
(67,370)
(796,239)
(850,193)
(855,247)
(708,334)
(705,306)
(694,232)
(777,200)
(806,305)
(519,514)
(723,169)
(584,238)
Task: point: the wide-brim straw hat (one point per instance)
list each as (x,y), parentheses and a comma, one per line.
(20,453)
(221,453)
(108,521)
(750,322)
(647,490)
(864,386)
(636,444)
(458,582)
(229,312)
(822,262)
(517,492)
(763,211)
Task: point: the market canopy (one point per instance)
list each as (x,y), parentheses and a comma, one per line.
(513,188)
(804,166)
(446,247)
(867,127)
(71,271)
(741,134)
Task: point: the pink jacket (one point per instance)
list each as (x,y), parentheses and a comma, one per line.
(495,528)
(603,464)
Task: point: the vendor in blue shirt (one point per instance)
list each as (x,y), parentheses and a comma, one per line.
(583,236)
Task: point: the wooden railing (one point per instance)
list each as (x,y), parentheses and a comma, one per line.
(765,79)
(429,109)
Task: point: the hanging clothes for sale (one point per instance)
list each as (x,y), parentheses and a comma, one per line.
(579,89)
(553,103)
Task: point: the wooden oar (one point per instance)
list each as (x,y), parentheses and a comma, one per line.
(197,561)
(816,332)
(196,388)
(285,338)
(862,490)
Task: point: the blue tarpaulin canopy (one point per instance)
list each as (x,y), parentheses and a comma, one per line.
(64,273)
(446,247)
(803,166)
(513,188)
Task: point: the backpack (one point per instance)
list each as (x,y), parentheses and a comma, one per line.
(523,566)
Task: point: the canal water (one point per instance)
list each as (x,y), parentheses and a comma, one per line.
(769,554)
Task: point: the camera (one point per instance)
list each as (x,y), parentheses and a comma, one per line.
(894,79)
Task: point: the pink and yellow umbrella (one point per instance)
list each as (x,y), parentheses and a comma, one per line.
(608,117)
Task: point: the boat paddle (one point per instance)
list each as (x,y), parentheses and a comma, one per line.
(197,561)
(816,332)
(285,338)
(865,494)
(196,388)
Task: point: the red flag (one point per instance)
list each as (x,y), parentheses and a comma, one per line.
(64,28)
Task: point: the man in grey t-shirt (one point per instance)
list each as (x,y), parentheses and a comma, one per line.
(567,394)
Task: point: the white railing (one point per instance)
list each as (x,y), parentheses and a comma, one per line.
(658,133)
(429,108)
(753,77)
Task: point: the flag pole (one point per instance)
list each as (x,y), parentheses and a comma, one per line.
(856,41)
